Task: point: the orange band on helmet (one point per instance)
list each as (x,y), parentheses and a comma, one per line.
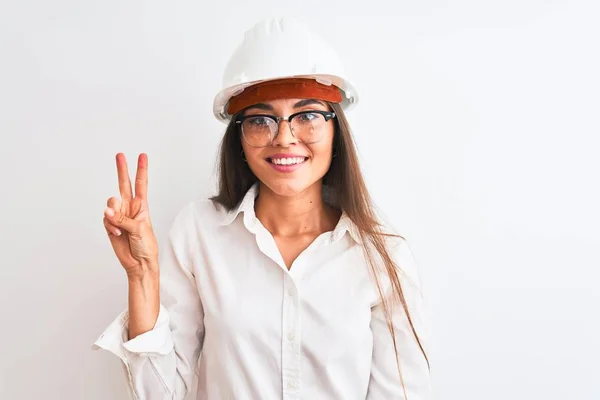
(291,88)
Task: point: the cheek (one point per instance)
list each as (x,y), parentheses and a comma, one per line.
(322,154)
(321,157)
(255,159)
(323,150)
(252,154)
(245,148)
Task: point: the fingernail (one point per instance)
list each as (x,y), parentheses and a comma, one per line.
(109,212)
(117,232)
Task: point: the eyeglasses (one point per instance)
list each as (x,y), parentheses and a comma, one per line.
(259,130)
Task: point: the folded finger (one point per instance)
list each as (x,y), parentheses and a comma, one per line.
(122,221)
(114,203)
(110,228)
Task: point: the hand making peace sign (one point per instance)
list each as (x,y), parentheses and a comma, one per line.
(127,221)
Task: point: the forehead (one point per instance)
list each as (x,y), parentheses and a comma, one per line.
(290,104)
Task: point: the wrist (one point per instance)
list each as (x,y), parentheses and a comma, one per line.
(144,301)
(146,272)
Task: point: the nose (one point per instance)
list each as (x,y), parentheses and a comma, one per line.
(284,136)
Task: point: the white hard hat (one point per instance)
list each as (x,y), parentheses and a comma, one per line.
(279,48)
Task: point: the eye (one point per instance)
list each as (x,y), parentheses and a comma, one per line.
(307,117)
(259,121)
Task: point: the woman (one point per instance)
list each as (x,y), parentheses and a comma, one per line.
(284,285)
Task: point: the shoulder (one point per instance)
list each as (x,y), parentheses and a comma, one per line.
(198,214)
(401,252)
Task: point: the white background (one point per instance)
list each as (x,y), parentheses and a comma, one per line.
(478,131)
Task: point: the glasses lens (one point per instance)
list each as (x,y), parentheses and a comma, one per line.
(258,131)
(308,127)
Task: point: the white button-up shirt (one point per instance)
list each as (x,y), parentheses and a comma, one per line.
(232,313)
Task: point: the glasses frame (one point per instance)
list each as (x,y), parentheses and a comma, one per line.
(328,115)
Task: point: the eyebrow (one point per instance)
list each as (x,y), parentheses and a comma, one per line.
(261,106)
(308,102)
(301,103)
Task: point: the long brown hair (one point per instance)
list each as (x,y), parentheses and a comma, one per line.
(345,179)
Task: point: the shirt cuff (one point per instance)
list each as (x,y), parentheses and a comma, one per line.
(157,341)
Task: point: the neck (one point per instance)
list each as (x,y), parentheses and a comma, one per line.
(304,213)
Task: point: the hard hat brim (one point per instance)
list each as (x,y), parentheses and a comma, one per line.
(349,93)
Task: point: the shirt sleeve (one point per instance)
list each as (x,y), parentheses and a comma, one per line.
(160,364)
(385,382)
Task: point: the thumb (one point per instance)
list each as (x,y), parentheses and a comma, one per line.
(120,220)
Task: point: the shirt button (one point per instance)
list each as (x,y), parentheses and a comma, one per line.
(291,292)
(291,384)
(291,336)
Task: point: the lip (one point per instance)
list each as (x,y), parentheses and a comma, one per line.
(286,168)
(285,155)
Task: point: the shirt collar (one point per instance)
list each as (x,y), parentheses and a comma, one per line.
(344,225)
(246,207)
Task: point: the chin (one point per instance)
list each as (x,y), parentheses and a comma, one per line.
(287,187)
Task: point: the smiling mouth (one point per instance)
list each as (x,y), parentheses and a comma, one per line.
(287,161)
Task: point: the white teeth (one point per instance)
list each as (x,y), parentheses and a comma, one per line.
(287,161)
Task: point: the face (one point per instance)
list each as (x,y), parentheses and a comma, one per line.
(288,166)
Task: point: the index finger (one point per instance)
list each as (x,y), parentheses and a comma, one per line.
(141,177)
(123,173)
